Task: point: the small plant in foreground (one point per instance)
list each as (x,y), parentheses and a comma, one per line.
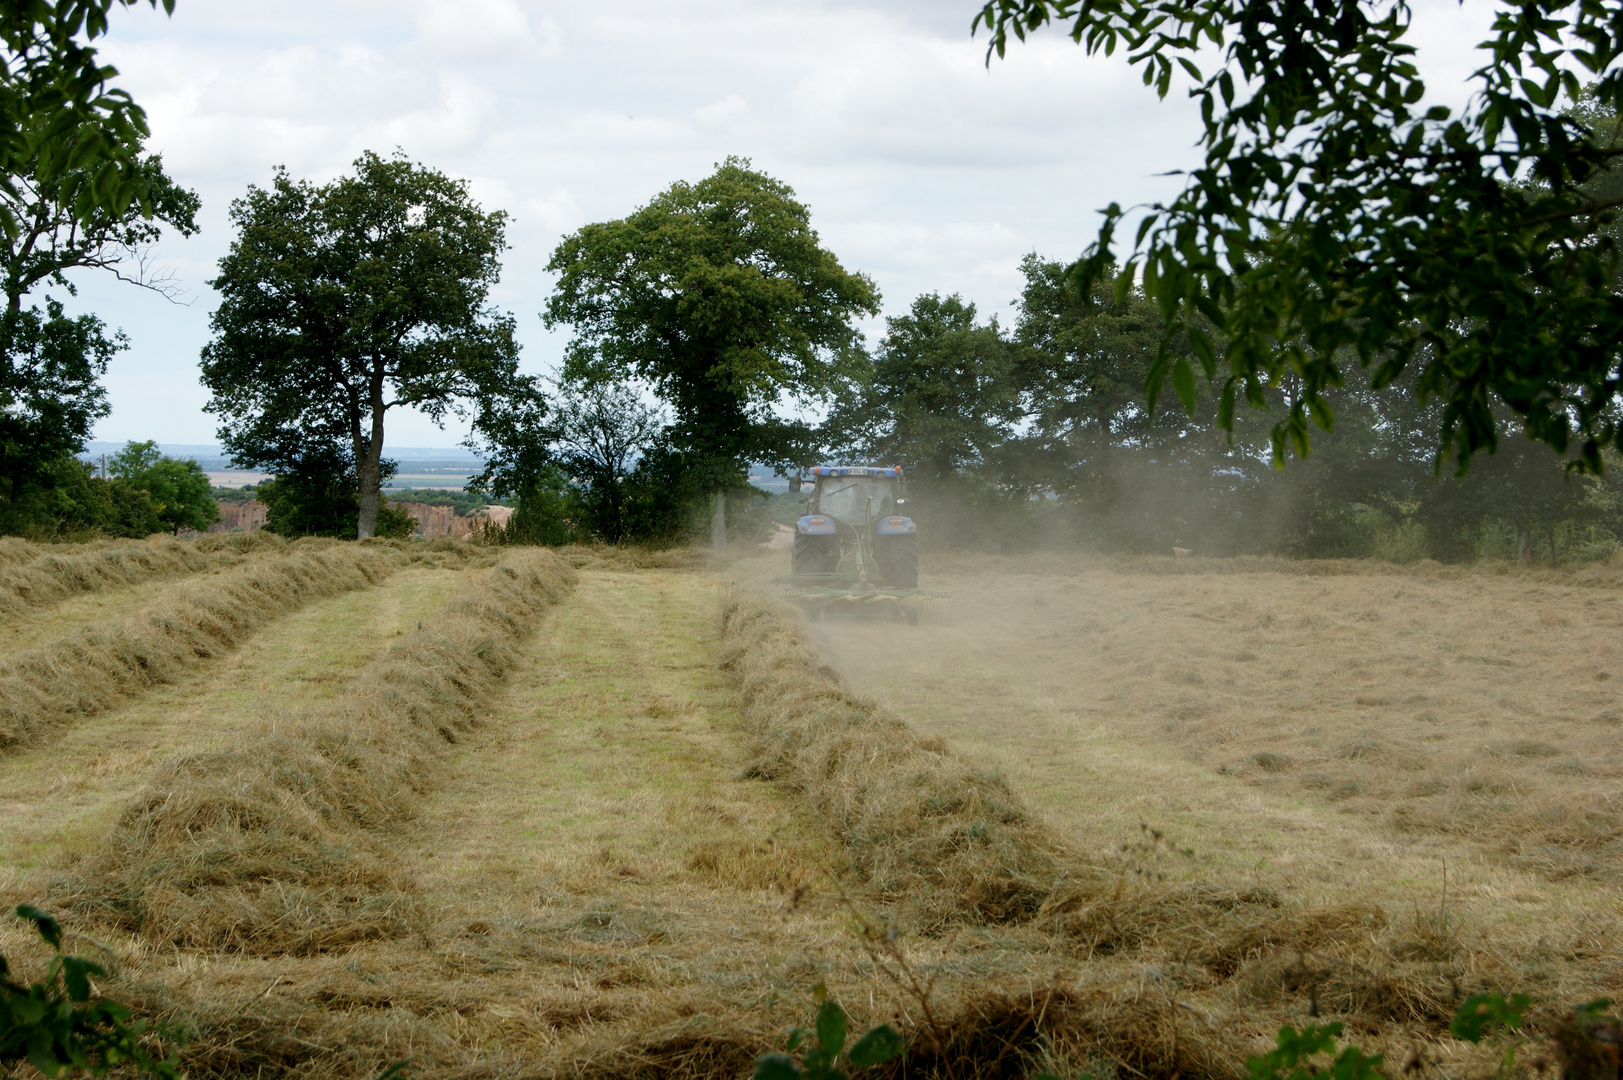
(1291,1057)
(55,1026)
(1480,1013)
(824,1060)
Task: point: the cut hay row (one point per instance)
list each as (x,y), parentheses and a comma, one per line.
(14,550)
(922,827)
(1186,976)
(55,573)
(279,846)
(95,669)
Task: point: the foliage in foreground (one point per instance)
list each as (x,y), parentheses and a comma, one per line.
(60,1026)
(1337,221)
(828,1058)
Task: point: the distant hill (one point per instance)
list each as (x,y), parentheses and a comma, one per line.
(426,467)
(436,459)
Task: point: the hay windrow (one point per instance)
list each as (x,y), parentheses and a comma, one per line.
(33,577)
(906,809)
(93,670)
(276,846)
(922,827)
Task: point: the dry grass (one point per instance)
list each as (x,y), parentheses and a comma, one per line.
(35,576)
(59,800)
(271,848)
(922,826)
(91,671)
(1476,704)
(634,557)
(595,885)
(1119,692)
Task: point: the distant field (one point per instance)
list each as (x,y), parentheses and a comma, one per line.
(516,813)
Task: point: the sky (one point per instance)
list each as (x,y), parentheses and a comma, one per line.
(922,165)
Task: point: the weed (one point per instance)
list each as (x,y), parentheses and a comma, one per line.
(60,1025)
(828,1058)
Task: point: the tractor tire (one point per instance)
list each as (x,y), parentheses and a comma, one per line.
(902,569)
(810,557)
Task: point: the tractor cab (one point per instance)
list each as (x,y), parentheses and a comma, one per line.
(856,533)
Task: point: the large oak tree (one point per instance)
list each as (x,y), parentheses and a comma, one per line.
(721,295)
(343,301)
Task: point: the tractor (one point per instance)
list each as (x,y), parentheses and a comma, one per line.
(855,551)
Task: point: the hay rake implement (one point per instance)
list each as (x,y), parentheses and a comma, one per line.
(863,603)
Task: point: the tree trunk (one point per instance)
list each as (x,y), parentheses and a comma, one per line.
(1524,544)
(718,523)
(367,471)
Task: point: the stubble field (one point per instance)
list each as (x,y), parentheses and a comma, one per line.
(529,813)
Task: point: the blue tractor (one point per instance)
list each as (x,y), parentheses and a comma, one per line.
(855,548)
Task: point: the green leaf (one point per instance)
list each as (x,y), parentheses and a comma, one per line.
(879,1045)
(1205,351)
(1479,1012)
(76,974)
(776,1067)
(44,922)
(1183,382)
(831,1028)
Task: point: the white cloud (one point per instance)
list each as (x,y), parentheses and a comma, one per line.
(721,114)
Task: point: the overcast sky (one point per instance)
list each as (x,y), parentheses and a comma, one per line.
(922,166)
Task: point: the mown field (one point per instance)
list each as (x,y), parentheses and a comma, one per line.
(600,813)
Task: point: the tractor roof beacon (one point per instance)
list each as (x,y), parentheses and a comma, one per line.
(856,551)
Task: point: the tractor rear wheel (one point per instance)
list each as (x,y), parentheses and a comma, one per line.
(809,557)
(903,571)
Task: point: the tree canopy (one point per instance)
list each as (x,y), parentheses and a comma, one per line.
(1337,222)
(345,300)
(76,191)
(178,488)
(721,296)
(1041,433)
(50,397)
(940,397)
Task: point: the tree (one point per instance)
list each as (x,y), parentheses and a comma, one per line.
(345,300)
(50,395)
(720,295)
(1522,486)
(53,235)
(75,192)
(179,490)
(602,431)
(1123,475)
(940,397)
(1334,224)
